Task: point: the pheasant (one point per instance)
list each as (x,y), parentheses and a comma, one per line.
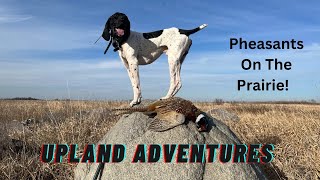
(171,112)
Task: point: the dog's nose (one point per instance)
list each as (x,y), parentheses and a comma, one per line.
(119,32)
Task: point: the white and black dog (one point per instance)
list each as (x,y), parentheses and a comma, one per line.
(144,48)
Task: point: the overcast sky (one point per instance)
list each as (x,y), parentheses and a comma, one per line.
(47,49)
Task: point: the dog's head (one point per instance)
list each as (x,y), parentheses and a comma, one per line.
(118,27)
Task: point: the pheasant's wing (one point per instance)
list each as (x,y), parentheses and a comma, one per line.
(166,120)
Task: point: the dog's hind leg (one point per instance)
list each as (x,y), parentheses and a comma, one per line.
(175,81)
(175,61)
(179,84)
(173,69)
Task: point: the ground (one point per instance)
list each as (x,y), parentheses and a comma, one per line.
(294,129)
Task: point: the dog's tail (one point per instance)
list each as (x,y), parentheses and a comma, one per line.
(191,31)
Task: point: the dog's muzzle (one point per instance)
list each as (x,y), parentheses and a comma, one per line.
(119,32)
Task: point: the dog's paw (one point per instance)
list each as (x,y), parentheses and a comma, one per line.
(134,102)
(165,97)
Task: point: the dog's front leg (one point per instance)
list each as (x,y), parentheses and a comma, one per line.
(133,72)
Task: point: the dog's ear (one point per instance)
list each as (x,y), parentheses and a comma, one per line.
(106,31)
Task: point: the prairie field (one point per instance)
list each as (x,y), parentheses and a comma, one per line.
(294,129)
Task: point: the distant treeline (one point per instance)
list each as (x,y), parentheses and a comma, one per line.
(21,98)
(221,101)
(287,102)
(217,101)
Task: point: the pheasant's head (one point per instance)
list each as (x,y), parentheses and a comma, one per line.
(202,122)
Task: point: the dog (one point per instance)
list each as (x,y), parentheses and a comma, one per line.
(144,48)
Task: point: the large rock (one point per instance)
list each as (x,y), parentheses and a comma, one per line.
(131,130)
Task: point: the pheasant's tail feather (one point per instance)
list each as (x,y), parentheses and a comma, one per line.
(130,110)
(135,109)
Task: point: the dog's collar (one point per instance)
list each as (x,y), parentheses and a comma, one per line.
(118,41)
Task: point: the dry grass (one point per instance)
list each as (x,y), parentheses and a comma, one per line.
(294,129)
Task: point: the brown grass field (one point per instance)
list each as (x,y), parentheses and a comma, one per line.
(294,129)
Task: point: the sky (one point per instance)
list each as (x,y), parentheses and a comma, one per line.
(47,49)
